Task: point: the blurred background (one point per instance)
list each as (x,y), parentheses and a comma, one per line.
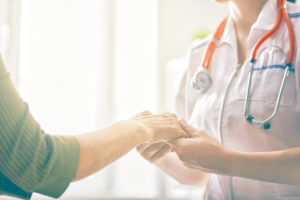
(82,64)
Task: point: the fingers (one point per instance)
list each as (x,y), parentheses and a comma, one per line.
(142,147)
(143,114)
(181,133)
(160,127)
(175,126)
(178,144)
(146,112)
(159,154)
(193,132)
(167,126)
(153,151)
(148,147)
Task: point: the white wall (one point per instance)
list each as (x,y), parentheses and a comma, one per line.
(10,35)
(178,22)
(65,69)
(52,66)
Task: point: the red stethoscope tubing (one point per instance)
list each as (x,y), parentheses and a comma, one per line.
(282,13)
(213,44)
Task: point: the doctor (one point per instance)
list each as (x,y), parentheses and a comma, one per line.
(247,131)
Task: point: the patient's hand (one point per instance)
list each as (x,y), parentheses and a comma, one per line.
(160,127)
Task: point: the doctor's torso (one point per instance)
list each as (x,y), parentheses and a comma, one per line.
(229,87)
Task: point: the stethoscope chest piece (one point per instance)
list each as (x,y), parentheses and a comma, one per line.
(202,80)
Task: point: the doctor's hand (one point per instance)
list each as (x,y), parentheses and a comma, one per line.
(153,151)
(202,151)
(160,127)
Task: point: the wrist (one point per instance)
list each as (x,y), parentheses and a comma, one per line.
(232,162)
(142,133)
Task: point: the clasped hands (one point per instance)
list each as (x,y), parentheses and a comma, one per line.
(195,148)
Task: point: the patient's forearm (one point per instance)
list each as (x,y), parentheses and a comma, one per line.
(100,148)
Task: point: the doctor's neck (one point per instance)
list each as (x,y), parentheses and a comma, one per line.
(244,13)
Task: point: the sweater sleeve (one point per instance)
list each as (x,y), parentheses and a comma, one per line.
(30,158)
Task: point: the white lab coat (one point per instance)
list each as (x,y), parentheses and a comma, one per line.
(202,110)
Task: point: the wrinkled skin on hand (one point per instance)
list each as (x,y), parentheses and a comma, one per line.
(160,127)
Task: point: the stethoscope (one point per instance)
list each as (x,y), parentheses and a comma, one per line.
(202,80)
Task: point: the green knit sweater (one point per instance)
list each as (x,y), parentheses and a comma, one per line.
(31,160)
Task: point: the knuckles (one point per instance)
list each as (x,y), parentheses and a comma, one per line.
(146,112)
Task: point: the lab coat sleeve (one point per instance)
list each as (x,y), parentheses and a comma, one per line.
(184,100)
(31,159)
(180,99)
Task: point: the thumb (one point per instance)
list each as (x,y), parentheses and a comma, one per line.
(177,143)
(193,132)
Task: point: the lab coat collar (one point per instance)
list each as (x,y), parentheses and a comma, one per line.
(265,21)
(229,35)
(267,17)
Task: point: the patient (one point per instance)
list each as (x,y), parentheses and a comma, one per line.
(34,161)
